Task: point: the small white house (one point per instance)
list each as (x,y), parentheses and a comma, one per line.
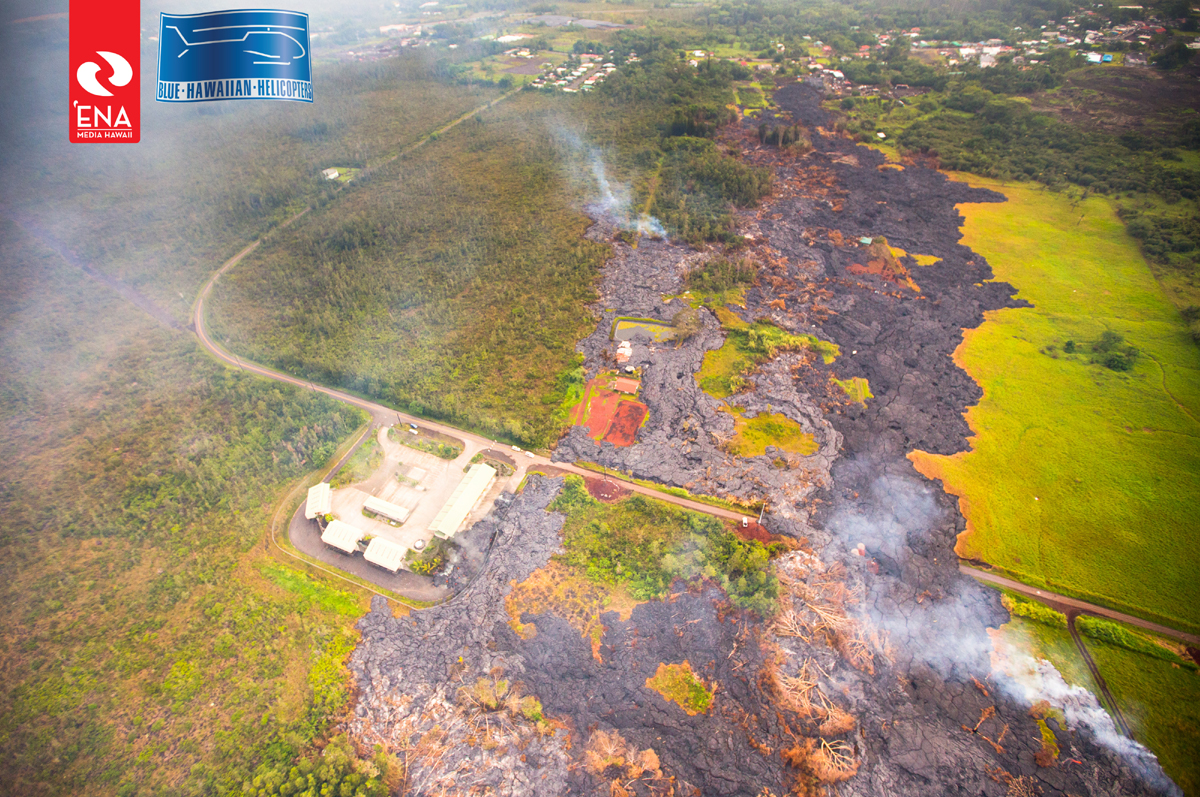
(330,174)
(342,536)
(320,501)
(385,553)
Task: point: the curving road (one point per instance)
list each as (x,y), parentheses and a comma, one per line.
(383,415)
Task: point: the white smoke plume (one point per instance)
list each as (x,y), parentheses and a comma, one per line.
(612,199)
(1031,681)
(948,632)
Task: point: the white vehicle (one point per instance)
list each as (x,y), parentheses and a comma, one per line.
(516,448)
(529,454)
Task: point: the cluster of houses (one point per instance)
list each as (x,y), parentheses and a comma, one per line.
(590,73)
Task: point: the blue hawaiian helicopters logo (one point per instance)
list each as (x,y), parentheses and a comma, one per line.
(234,55)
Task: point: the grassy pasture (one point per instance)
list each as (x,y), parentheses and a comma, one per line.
(1079,478)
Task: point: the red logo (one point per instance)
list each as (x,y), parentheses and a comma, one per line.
(106,72)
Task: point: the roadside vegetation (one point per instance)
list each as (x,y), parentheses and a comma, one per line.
(644,545)
(1101,505)
(366,460)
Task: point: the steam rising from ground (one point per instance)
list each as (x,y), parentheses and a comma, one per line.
(947,629)
(1032,680)
(610,199)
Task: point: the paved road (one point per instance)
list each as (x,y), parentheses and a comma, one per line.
(386,415)
(1074,605)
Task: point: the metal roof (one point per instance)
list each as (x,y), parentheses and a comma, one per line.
(385,553)
(320,500)
(342,536)
(462,500)
(386,508)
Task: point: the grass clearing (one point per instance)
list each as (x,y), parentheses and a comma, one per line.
(751,96)
(723,372)
(752,436)
(1080,479)
(679,683)
(314,592)
(631,328)
(857,388)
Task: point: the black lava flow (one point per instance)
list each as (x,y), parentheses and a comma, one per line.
(915,713)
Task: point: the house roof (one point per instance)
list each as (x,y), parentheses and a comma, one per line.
(462,500)
(386,508)
(385,553)
(320,500)
(626,385)
(342,536)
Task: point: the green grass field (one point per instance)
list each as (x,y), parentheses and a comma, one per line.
(723,371)
(1080,479)
(678,682)
(857,388)
(753,435)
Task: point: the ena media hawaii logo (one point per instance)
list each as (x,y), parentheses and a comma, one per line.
(234,55)
(105,72)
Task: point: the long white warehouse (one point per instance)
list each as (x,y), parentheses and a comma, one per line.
(462,500)
(320,501)
(342,536)
(385,553)
(386,508)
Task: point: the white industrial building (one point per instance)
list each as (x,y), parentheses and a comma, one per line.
(462,500)
(385,553)
(320,501)
(386,509)
(342,536)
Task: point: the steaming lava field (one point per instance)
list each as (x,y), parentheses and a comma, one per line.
(878,677)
